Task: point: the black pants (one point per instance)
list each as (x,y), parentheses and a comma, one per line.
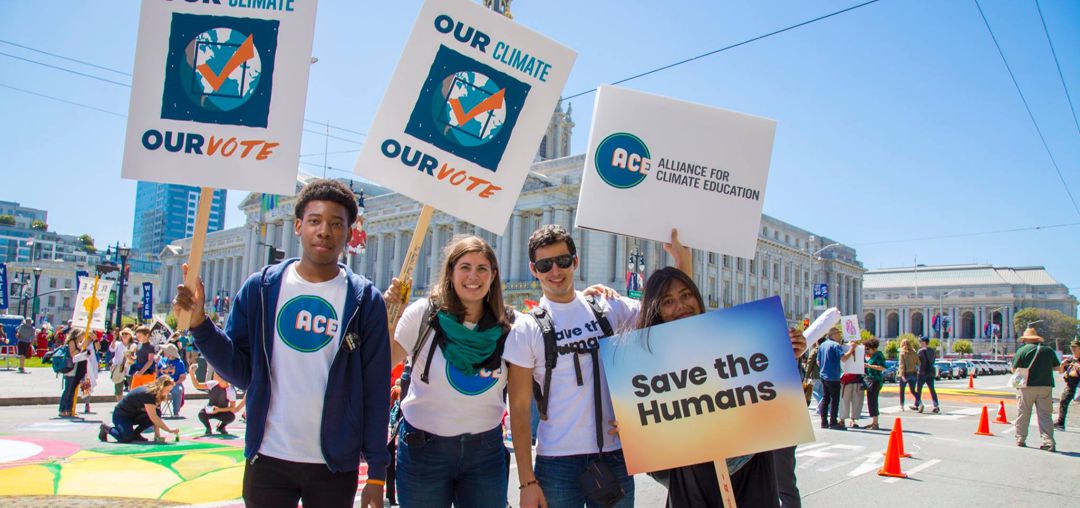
(71,383)
(786,482)
(225,417)
(831,401)
(391,472)
(1066,398)
(872,397)
(273,483)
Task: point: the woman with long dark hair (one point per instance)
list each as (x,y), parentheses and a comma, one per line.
(77,344)
(450,443)
(670,295)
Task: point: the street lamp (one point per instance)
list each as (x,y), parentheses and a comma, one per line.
(813,256)
(941,313)
(993,339)
(636,266)
(123,252)
(34,302)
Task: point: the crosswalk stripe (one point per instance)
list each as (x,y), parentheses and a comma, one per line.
(915,469)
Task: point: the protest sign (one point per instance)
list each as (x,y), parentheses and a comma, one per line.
(849,327)
(705,388)
(857,363)
(655,163)
(90,305)
(160,332)
(465,111)
(218,94)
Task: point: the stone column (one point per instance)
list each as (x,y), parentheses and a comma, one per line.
(291,242)
(517,225)
(548,215)
(381,261)
(622,260)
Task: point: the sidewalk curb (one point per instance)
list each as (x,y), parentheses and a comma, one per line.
(55,399)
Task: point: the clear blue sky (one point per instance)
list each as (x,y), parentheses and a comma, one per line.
(897,121)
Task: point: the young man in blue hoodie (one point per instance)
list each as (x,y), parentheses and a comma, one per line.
(308,340)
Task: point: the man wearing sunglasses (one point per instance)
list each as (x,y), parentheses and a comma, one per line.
(567,438)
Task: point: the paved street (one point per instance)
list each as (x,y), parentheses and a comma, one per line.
(41,455)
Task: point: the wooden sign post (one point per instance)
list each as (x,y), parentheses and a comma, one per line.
(202,221)
(91,305)
(727,493)
(394,309)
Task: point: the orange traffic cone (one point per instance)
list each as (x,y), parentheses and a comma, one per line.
(897,433)
(892,457)
(984,424)
(1001,414)
(971,381)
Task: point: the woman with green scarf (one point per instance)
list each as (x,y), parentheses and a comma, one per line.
(450,443)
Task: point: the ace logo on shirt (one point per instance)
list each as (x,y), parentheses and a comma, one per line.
(307,323)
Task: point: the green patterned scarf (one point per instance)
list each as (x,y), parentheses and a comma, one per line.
(467,348)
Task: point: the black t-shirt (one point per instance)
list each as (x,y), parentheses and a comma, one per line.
(142,355)
(219,396)
(696,486)
(133,404)
(926,361)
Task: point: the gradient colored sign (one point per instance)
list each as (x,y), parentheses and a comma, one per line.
(705,388)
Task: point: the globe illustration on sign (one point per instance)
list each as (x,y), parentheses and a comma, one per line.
(471,109)
(221,69)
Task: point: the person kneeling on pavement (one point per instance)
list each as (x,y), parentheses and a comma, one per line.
(138,411)
(222,405)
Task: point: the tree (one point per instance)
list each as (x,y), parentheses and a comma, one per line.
(1052,325)
(935,345)
(865,335)
(7,220)
(88,243)
(892,349)
(39,225)
(170,319)
(963,347)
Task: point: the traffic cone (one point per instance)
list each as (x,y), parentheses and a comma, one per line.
(971,381)
(892,457)
(897,433)
(1001,414)
(984,424)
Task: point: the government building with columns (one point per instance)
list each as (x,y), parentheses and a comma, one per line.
(978,301)
(781,267)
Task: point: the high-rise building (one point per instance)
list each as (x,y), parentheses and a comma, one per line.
(166,212)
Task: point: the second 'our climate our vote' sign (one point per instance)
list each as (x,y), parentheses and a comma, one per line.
(218,94)
(706,388)
(465,111)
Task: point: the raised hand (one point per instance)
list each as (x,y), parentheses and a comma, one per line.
(191,299)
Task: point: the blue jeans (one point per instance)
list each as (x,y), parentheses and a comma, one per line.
(928,380)
(467,470)
(125,429)
(818,395)
(558,478)
(908,381)
(177,396)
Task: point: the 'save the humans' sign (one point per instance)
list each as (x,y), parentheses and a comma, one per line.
(218,94)
(465,111)
(706,388)
(705,167)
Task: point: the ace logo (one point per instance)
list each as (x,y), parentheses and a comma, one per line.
(219,70)
(467,108)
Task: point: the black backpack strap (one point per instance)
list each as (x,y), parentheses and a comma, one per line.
(551,356)
(425,327)
(601,317)
(598,411)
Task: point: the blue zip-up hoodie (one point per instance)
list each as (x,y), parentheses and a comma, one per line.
(356,407)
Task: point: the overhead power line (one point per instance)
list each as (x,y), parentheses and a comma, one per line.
(128,85)
(725,48)
(1028,108)
(1072,109)
(65,101)
(964,235)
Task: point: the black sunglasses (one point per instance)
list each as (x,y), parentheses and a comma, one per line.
(544,265)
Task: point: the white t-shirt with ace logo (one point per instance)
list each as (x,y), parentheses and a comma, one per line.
(569,429)
(307,336)
(450,403)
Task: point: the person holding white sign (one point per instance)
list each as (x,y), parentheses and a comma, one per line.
(307,339)
(454,342)
(566,370)
(671,295)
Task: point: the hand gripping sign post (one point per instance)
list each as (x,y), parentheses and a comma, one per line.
(706,168)
(465,110)
(217,100)
(706,388)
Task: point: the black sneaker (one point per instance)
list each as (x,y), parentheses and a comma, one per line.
(221,430)
(824,424)
(208,432)
(139,439)
(837,426)
(936,410)
(103,433)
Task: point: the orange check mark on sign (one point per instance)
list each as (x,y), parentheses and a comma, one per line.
(245,52)
(493,102)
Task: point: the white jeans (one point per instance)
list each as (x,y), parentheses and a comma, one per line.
(851,401)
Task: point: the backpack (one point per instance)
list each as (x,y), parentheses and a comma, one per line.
(552,349)
(61,360)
